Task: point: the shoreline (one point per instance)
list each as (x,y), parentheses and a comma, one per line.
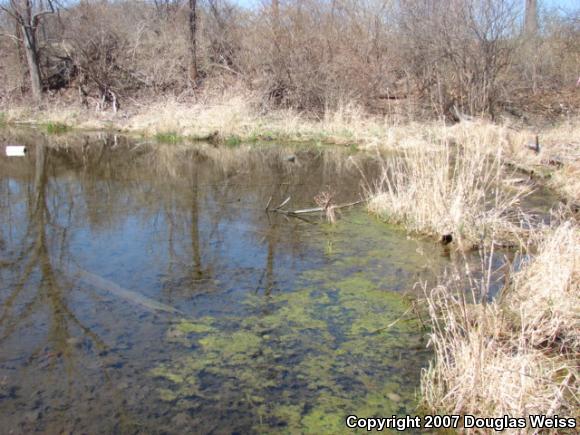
(460,332)
(234,120)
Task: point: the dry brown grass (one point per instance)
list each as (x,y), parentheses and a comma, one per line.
(517,355)
(558,160)
(235,111)
(450,191)
(240,114)
(546,294)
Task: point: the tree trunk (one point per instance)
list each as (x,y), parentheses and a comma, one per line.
(279,65)
(23,12)
(20,57)
(531,18)
(31,49)
(193,41)
(530,41)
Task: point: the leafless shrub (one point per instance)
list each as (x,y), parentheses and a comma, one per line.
(324,201)
(414,58)
(459,51)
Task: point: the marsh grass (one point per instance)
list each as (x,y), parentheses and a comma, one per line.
(239,112)
(558,161)
(168,137)
(516,355)
(56,128)
(452,191)
(546,293)
(233,140)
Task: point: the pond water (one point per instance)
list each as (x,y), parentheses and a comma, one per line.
(144,289)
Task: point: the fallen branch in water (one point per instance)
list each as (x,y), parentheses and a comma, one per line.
(123,293)
(268,205)
(322,209)
(310,210)
(286,201)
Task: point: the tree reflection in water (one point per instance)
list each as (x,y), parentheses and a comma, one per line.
(178,223)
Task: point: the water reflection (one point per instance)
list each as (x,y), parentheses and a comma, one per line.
(179,224)
(300,303)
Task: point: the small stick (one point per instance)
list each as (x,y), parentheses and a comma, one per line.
(286,201)
(310,210)
(390,325)
(320,209)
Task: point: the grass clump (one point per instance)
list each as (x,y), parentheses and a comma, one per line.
(546,293)
(517,355)
(167,137)
(557,164)
(447,190)
(56,128)
(233,140)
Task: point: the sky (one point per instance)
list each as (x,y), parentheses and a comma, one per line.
(563,4)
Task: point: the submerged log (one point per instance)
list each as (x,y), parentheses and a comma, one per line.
(123,293)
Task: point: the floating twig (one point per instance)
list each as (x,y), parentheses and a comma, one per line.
(286,201)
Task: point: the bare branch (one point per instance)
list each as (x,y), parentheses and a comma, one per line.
(7,35)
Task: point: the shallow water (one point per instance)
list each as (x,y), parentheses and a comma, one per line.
(281,325)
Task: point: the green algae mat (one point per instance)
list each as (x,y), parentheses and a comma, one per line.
(283,325)
(345,341)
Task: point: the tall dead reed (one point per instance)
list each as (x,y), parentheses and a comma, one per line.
(516,355)
(450,191)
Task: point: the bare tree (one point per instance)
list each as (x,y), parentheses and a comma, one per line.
(192,15)
(166,8)
(28,15)
(531,18)
(220,32)
(388,56)
(277,57)
(457,54)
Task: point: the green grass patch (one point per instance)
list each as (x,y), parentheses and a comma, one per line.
(352,148)
(233,140)
(169,137)
(56,128)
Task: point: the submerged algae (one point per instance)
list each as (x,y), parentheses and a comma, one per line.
(187,327)
(301,361)
(316,344)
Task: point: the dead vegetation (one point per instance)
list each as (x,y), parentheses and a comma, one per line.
(380,75)
(452,193)
(232,116)
(375,74)
(516,355)
(413,59)
(557,163)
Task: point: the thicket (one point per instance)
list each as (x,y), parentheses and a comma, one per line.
(416,57)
